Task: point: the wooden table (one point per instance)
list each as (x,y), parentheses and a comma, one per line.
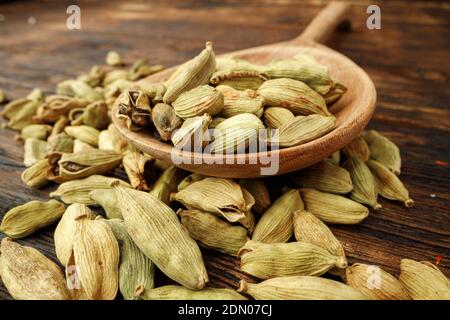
(407,59)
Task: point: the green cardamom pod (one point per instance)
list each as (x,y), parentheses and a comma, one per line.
(37,175)
(198,101)
(239,79)
(237,102)
(276,117)
(357,148)
(83,133)
(135,165)
(258,190)
(165,120)
(172,292)
(36,131)
(34,150)
(384,151)
(193,133)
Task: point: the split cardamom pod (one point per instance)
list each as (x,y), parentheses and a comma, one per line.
(135,108)
(135,165)
(193,133)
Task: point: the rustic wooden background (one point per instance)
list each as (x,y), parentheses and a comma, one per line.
(407,59)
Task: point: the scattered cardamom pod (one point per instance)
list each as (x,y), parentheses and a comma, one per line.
(84,133)
(258,189)
(36,131)
(135,164)
(56,106)
(20,113)
(59,125)
(384,151)
(357,148)
(34,150)
(190,179)
(60,142)
(37,175)
(172,292)
(198,101)
(167,183)
(165,120)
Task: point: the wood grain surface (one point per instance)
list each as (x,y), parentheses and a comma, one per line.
(407,60)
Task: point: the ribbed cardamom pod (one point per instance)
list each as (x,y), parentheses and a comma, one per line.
(141,69)
(191,74)
(357,148)
(84,91)
(270,260)
(190,179)
(29,275)
(84,133)
(77,191)
(13,107)
(25,219)
(60,142)
(212,232)
(335,157)
(156,230)
(135,165)
(302,68)
(93,270)
(335,93)
(172,292)
(80,146)
(65,230)
(59,125)
(235,134)
(36,176)
(167,183)
(375,283)
(309,228)
(220,196)
(239,79)
(96,115)
(165,120)
(34,150)
(258,189)
(388,184)
(136,271)
(20,113)
(275,117)
(384,151)
(333,208)
(293,95)
(135,108)
(193,133)
(56,106)
(276,224)
(78,165)
(303,129)
(364,189)
(237,102)
(36,131)
(106,198)
(114,75)
(324,176)
(423,280)
(110,139)
(198,101)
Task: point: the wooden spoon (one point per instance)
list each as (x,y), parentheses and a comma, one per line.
(353,111)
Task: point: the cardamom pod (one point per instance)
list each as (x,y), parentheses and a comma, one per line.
(14,107)
(172,292)
(34,150)
(193,133)
(357,148)
(215,122)
(236,102)
(84,133)
(56,106)
(106,198)
(36,176)
(384,151)
(80,146)
(110,139)
(96,115)
(167,183)
(230,64)
(335,93)
(191,74)
(25,219)
(212,232)
(275,117)
(165,120)
(300,288)
(59,125)
(293,95)
(114,75)
(275,224)
(332,208)
(135,108)
(423,280)
(190,179)
(36,131)
(239,79)
(20,113)
(29,275)
(258,190)
(388,185)
(60,142)
(84,91)
(135,165)
(363,182)
(384,287)
(198,101)
(156,230)
(324,176)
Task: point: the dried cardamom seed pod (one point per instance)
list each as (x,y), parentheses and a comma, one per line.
(84,133)
(388,185)
(110,139)
(77,191)
(165,120)
(190,179)
(60,142)
(56,106)
(13,107)
(80,146)
(167,183)
(385,287)
(59,125)
(300,288)
(308,228)
(198,101)
(220,196)
(96,115)
(303,129)
(135,164)
(248,221)
(363,183)
(275,224)
(293,95)
(144,71)
(114,75)
(20,113)
(270,260)
(357,148)
(36,176)
(114,89)
(335,157)
(25,219)
(384,151)
(212,232)
(29,275)
(36,131)
(34,150)
(333,208)
(84,91)
(191,74)
(423,280)
(239,79)
(136,271)
(275,117)
(155,229)
(324,176)
(65,230)
(106,198)
(113,59)
(76,116)
(193,133)
(235,134)
(96,261)
(258,190)
(150,89)
(172,292)
(302,68)
(237,102)
(136,109)
(335,93)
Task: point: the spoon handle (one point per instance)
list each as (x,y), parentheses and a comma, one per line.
(321,27)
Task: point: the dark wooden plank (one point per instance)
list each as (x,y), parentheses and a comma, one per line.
(407,59)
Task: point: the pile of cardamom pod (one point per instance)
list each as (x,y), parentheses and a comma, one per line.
(128,213)
(230,96)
